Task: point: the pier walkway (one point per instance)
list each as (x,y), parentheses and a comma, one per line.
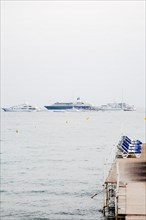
(125,187)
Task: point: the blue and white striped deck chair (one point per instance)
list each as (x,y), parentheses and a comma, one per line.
(133,148)
(129,148)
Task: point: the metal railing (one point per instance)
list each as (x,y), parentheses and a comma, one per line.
(109,161)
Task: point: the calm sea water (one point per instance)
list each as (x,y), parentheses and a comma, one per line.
(53,162)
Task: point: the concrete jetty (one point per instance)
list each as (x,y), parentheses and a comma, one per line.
(125,189)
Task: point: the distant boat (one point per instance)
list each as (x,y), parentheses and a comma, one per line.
(74,106)
(116,107)
(21,108)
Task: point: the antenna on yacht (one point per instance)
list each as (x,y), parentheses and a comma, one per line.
(122,99)
(78,99)
(25,102)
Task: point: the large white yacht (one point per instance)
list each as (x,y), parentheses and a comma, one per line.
(21,108)
(116,107)
(78,105)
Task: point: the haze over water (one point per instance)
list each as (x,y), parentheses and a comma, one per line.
(53,162)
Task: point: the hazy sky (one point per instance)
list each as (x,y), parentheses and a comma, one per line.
(58,51)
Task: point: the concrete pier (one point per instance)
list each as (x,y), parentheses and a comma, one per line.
(125,189)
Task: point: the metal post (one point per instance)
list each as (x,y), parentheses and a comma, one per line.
(117,189)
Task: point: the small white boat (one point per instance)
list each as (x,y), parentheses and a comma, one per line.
(21,108)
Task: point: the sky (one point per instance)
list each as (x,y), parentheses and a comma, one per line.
(57,51)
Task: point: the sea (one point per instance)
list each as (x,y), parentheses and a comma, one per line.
(53,163)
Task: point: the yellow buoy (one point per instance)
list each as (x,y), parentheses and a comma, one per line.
(17,131)
(87,118)
(145,118)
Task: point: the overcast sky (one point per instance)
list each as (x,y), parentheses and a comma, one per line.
(58,51)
